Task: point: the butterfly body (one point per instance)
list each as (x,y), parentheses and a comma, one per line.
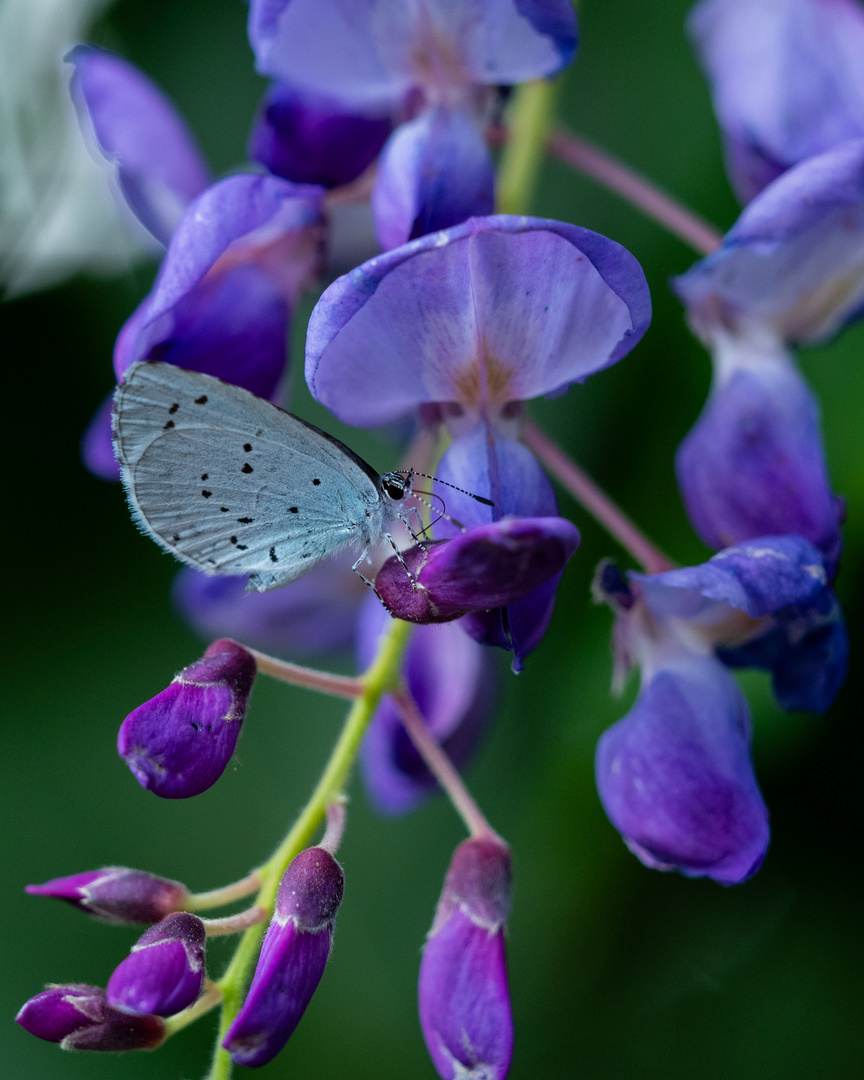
(231,484)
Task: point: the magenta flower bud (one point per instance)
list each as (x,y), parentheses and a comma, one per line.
(178,743)
(79,1018)
(292,960)
(116,894)
(464,1000)
(164,972)
(485,567)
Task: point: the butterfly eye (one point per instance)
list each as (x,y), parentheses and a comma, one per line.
(394,486)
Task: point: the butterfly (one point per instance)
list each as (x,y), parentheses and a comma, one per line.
(231,484)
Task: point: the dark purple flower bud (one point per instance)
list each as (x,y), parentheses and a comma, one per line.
(178,743)
(116,894)
(78,1017)
(483,568)
(313,139)
(292,960)
(164,972)
(463,995)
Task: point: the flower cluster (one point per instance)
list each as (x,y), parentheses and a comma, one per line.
(446,334)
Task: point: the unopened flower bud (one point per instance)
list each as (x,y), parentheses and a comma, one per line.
(79,1018)
(116,894)
(178,743)
(486,567)
(164,972)
(292,960)
(464,999)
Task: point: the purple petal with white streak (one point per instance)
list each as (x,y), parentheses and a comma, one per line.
(794,260)
(496,310)
(164,973)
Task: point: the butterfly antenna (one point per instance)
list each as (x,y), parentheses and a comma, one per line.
(442,513)
(470,494)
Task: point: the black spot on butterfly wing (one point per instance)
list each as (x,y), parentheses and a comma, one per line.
(247,468)
(174,408)
(201,400)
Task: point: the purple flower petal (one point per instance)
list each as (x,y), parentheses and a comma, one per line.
(309,615)
(806,649)
(373,50)
(483,568)
(313,139)
(97,447)
(450,679)
(78,1017)
(786,77)
(434,172)
(116,894)
(158,163)
(754,464)
(675,776)
(794,261)
(232,272)
(178,743)
(292,960)
(164,973)
(506,472)
(496,310)
(463,994)
(759,577)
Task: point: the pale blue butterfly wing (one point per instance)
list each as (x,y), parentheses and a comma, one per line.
(231,484)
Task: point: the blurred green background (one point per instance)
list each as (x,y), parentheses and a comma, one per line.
(616,971)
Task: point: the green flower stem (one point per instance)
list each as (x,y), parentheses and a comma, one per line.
(238,890)
(529,122)
(381,677)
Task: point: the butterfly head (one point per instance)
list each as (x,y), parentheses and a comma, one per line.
(396,485)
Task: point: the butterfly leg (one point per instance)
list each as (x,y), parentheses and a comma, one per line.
(398,555)
(362,576)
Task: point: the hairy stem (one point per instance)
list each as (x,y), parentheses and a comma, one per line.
(586,158)
(226,895)
(336,685)
(381,676)
(440,765)
(596,501)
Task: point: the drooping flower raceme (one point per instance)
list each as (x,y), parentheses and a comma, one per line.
(438,63)
(790,271)
(675,775)
(787,80)
(460,327)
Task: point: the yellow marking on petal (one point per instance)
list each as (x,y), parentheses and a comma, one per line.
(484,381)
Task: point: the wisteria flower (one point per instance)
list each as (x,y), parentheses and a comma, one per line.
(439,64)
(791,270)
(786,77)
(675,775)
(462,326)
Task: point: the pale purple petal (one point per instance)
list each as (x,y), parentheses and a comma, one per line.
(794,261)
(450,679)
(675,775)
(496,310)
(97,446)
(754,463)
(158,163)
(312,614)
(434,172)
(759,577)
(372,50)
(233,269)
(786,77)
(313,139)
